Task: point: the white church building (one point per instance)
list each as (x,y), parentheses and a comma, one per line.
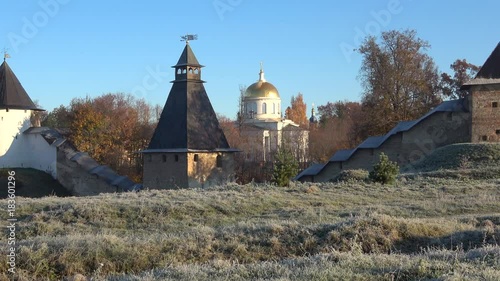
(264,127)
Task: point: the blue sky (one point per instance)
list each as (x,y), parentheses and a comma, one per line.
(62,49)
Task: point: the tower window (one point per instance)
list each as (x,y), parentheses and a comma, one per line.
(196,158)
(218,161)
(179,71)
(176,157)
(264,108)
(164,158)
(494,104)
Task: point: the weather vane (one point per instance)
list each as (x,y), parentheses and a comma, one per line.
(189,37)
(5,54)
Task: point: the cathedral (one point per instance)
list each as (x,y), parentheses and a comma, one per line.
(263,126)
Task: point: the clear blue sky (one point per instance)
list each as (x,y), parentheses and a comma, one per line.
(62,49)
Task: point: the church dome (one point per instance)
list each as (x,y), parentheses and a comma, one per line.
(262,88)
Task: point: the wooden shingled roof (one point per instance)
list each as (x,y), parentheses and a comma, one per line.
(188,121)
(489,72)
(12,93)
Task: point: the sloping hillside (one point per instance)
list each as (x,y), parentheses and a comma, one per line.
(459,157)
(420,229)
(31,183)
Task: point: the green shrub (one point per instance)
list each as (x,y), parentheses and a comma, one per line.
(352,175)
(385,171)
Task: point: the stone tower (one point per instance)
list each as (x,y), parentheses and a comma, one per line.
(188,147)
(484,100)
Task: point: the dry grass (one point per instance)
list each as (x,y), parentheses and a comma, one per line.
(352,230)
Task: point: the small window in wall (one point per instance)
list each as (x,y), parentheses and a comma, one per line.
(176,157)
(218,161)
(150,157)
(494,104)
(484,138)
(196,158)
(497,132)
(164,158)
(264,108)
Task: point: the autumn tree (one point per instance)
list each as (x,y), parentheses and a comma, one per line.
(463,71)
(297,111)
(335,130)
(112,128)
(58,118)
(400,81)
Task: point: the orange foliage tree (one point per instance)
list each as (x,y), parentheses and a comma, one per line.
(297,111)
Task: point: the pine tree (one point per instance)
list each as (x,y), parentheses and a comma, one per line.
(285,166)
(385,171)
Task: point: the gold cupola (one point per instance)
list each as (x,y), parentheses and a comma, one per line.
(262,88)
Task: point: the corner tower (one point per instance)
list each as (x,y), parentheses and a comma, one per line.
(484,100)
(15,112)
(188,147)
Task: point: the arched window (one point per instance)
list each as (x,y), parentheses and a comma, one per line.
(196,71)
(179,71)
(184,71)
(274,108)
(264,108)
(190,70)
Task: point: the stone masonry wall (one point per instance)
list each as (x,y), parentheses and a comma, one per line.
(485,103)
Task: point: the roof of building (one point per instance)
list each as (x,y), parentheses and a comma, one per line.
(489,72)
(188,58)
(262,88)
(84,161)
(403,126)
(12,93)
(188,120)
(310,171)
(342,155)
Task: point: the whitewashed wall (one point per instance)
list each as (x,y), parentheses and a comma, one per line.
(18,150)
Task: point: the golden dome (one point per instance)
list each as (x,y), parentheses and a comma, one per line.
(262,88)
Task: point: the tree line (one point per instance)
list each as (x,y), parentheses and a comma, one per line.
(400,81)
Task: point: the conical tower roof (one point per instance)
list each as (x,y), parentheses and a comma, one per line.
(187,58)
(12,93)
(188,121)
(489,72)
(491,67)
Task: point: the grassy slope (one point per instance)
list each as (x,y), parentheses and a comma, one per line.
(32,183)
(355,230)
(421,228)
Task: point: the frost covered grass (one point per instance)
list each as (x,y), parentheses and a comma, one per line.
(419,228)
